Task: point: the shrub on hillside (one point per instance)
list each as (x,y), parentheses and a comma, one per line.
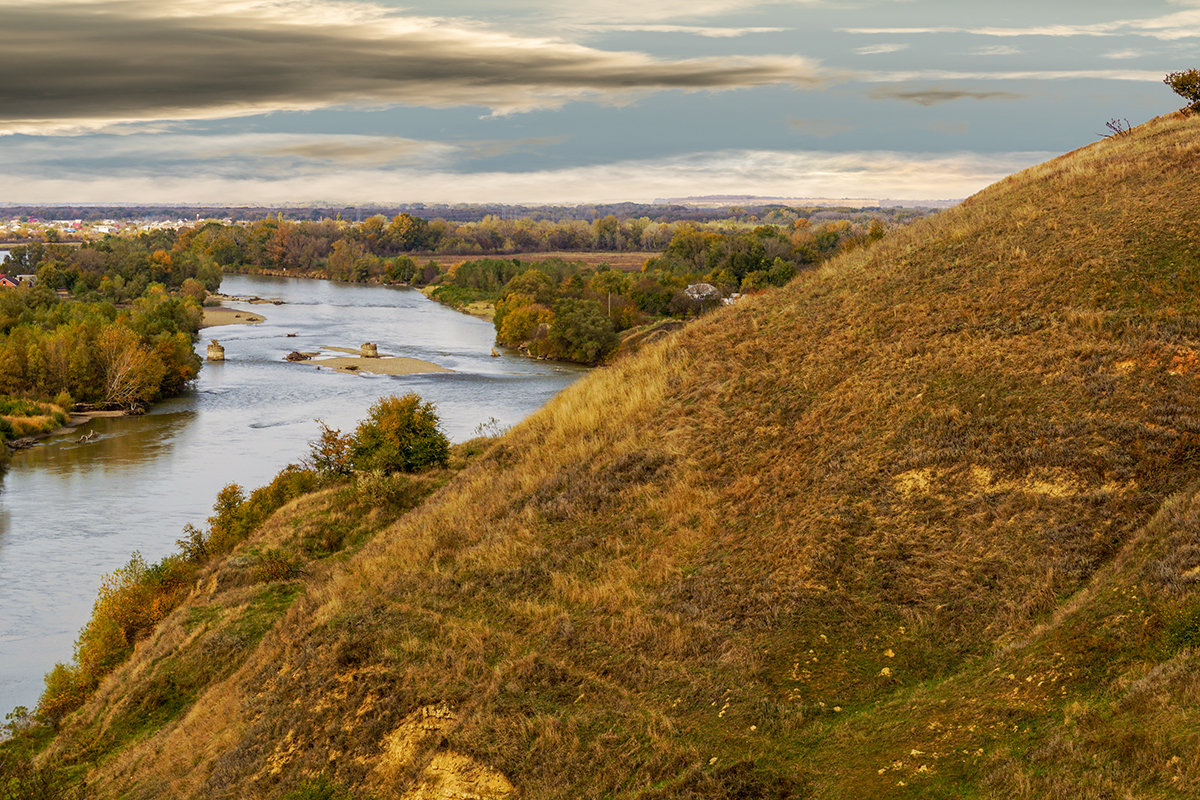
(330,453)
(1186,84)
(400,434)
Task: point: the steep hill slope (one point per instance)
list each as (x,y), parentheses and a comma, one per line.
(924,523)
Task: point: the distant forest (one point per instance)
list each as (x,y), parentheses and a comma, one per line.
(744,212)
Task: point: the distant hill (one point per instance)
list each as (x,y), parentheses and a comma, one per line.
(727,200)
(924,523)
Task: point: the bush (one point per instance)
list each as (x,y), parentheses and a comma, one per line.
(329,455)
(276,565)
(400,434)
(1186,84)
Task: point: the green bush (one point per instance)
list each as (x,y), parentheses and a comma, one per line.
(400,434)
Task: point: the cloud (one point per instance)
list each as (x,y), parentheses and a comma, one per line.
(266,155)
(639,12)
(84,64)
(909,76)
(997,50)
(1122,54)
(710,32)
(932,96)
(1168,27)
(880,49)
(864,174)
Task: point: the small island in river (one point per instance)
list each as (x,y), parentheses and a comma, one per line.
(219,315)
(353,362)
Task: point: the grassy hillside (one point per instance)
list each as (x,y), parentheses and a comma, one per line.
(925,523)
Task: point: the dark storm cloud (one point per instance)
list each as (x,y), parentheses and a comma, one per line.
(931,97)
(84,63)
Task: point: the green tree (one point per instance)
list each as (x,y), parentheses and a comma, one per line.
(400,434)
(581,331)
(1186,84)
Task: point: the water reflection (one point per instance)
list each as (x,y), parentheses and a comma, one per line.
(72,511)
(119,442)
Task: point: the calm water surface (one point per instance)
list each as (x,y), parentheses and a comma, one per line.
(72,511)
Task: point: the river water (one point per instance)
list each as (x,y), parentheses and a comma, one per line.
(72,511)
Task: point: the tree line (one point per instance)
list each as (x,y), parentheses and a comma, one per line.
(567,310)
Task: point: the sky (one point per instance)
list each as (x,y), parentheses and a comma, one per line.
(544,101)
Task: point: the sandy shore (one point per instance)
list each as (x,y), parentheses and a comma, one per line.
(217,315)
(384,365)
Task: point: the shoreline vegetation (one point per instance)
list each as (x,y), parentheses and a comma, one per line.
(395,458)
(623,273)
(75,420)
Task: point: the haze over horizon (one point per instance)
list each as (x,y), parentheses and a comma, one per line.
(526,101)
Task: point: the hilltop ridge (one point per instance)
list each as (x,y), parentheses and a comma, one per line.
(923,523)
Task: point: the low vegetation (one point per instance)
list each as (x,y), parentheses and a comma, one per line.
(922,523)
(20,418)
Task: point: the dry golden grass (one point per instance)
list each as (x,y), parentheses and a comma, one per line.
(924,523)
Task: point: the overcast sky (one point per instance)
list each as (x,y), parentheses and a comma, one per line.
(228,101)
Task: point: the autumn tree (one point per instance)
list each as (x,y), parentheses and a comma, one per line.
(130,373)
(1186,84)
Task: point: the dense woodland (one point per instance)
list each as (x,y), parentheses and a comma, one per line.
(108,325)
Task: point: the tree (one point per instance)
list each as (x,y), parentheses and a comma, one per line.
(1186,84)
(532,282)
(131,375)
(407,233)
(330,453)
(581,331)
(400,434)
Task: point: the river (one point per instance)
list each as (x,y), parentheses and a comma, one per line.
(73,511)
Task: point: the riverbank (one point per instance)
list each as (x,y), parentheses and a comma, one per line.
(480,309)
(75,421)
